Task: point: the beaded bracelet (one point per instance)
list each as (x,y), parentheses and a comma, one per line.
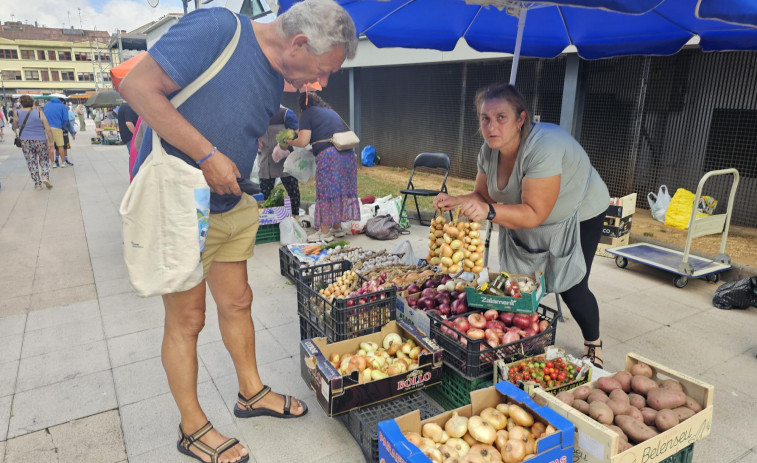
(209,155)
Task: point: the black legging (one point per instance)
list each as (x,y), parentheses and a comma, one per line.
(292,186)
(579,299)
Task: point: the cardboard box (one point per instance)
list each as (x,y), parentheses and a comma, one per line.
(417,317)
(339,394)
(274,215)
(583,370)
(596,443)
(616,227)
(625,206)
(555,448)
(526,304)
(606,243)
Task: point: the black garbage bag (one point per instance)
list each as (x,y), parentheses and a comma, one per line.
(740,294)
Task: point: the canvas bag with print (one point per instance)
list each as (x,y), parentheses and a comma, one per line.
(166,210)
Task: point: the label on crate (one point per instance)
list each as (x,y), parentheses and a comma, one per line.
(588,445)
(416,379)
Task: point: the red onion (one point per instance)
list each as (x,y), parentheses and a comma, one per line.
(428,292)
(535,317)
(430,283)
(528,332)
(495,324)
(413,288)
(444,309)
(454,294)
(426,303)
(412,301)
(459,307)
(506,317)
(543,325)
(462,297)
(444,279)
(442,299)
(510,337)
(522,321)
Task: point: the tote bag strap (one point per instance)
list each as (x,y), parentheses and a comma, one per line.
(201,80)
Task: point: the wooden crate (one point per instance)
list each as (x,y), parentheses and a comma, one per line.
(596,443)
(606,243)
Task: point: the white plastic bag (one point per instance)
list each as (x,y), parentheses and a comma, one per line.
(300,164)
(391,205)
(291,232)
(659,203)
(279,153)
(406,248)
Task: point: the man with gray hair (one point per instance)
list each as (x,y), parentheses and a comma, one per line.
(305,44)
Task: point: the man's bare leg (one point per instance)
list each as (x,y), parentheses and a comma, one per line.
(185,318)
(228,284)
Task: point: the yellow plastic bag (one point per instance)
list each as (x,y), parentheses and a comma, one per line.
(679,210)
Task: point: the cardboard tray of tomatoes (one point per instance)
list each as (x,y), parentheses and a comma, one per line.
(475,356)
(554,371)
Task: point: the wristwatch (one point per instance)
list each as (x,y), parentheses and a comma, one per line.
(492,213)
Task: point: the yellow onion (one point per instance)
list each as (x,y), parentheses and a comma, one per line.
(456,426)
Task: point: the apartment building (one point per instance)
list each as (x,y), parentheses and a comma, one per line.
(43,60)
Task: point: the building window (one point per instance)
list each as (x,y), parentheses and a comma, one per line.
(86,77)
(105,77)
(55,76)
(12,75)
(8,54)
(81,56)
(67,75)
(45,76)
(28,54)
(51,55)
(104,57)
(41,54)
(64,55)
(31,75)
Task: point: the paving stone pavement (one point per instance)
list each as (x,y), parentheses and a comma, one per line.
(80,371)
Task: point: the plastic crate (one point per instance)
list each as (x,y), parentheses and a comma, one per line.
(473,361)
(363,423)
(288,264)
(343,318)
(268,234)
(454,390)
(308,330)
(685,455)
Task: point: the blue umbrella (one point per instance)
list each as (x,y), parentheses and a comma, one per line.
(732,11)
(597,28)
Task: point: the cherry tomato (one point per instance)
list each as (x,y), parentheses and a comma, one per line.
(561,376)
(549,364)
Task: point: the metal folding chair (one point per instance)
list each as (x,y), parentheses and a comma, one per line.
(430,161)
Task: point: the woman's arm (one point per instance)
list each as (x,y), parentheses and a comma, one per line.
(302,140)
(446,202)
(538,198)
(15,121)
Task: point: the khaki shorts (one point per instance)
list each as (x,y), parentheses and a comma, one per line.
(231,234)
(58,137)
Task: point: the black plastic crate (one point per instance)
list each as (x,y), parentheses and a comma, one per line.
(342,318)
(288,264)
(454,390)
(473,360)
(308,330)
(363,423)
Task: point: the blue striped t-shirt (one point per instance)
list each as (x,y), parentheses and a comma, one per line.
(233,109)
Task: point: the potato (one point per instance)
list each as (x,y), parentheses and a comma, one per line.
(623,446)
(582,406)
(581,392)
(608,384)
(642,384)
(636,431)
(634,413)
(642,369)
(637,400)
(692,404)
(618,407)
(566,397)
(618,431)
(649,415)
(601,412)
(671,384)
(624,378)
(619,394)
(665,398)
(597,395)
(684,413)
(666,419)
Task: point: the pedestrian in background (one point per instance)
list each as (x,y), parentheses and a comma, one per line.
(57,117)
(270,169)
(36,141)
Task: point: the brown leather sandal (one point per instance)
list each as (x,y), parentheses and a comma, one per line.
(592,355)
(243,408)
(186,441)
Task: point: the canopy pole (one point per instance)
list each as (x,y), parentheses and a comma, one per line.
(518,40)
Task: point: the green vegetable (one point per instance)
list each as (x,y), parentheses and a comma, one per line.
(285,134)
(275,199)
(334,244)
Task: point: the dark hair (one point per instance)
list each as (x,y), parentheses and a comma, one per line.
(512,96)
(26,101)
(311,99)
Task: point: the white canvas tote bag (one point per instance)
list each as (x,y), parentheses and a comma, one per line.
(166,210)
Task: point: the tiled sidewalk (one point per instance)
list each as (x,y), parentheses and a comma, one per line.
(80,372)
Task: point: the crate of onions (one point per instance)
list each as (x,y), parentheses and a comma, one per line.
(501,424)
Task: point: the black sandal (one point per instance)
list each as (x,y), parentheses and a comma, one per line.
(592,355)
(185,441)
(244,409)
